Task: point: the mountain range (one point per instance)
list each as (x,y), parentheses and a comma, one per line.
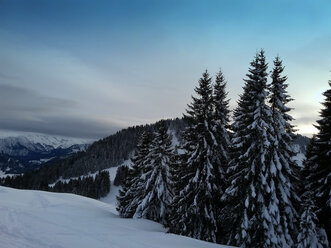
(28,152)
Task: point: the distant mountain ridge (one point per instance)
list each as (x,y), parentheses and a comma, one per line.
(38,142)
(23,153)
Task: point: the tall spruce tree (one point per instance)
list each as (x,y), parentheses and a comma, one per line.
(308,232)
(278,99)
(221,119)
(252,205)
(221,125)
(318,165)
(309,235)
(199,188)
(129,196)
(174,176)
(154,184)
(284,170)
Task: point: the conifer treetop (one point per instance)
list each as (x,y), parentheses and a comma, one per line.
(221,102)
(201,106)
(279,98)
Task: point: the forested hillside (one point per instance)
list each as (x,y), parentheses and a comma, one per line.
(105,153)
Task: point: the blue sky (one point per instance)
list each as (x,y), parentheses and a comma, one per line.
(87,68)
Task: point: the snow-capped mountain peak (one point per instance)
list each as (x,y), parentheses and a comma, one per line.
(35,142)
(30,150)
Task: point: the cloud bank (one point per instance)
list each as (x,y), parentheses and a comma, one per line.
(25,110)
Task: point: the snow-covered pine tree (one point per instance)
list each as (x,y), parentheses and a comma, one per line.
(221,121)
(154,183)
(309,235)
(252,195)
(174,176)
(319,166)
(278,99)
(129,196)
(199,188)
(284,169)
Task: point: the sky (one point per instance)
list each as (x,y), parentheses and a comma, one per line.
(86,69)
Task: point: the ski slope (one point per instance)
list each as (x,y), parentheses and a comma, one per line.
(36,219)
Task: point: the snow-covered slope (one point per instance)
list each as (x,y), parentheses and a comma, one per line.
(111,197)
(33,219)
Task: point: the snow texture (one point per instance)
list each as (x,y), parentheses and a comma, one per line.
(34,219)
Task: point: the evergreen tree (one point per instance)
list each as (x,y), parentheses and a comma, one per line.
(310,229)
(222,137)
(128,198)
(309,235)
(318,165)
(284,170)
(278,100)
(103,185)
(154,184)
(174,170)
(221,121)
(176,175)
(121,175)
(199,188)
(253,212)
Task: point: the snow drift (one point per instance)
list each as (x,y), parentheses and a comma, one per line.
(42,219)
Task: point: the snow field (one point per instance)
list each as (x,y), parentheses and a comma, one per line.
(33,219)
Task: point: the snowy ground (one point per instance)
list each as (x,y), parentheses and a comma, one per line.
(33,219)
(111,197)
(3,174)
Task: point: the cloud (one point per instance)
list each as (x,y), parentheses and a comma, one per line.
(72,127)
(305,116)
(306,120)
(20,99)
(5,76)
(25,110)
